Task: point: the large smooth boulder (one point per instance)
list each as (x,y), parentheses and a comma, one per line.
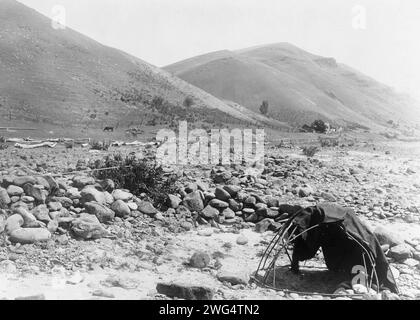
(103,213)
(209,212)
(88,227)
(90,194)
(83,181)
(21,181)
(146,207)
(119,194)
(120,208)
(29,235)
(13,222)
(233,277)
(400,252)
(222,194)
(194,201)
(200,260)
(387,236)
(232,190)
(185,291)
(14,190)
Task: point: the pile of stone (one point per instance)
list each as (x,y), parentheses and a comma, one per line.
(227,205)
(35,207)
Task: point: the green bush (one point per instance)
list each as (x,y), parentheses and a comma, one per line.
(140,176)
(310,151)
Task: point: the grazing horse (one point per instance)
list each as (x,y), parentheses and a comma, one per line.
(109,129)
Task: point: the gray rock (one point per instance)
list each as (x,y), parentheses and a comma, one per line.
(194,201)
(273,213)
(272,202)
(185,291)
(119,194)
(120,208)
(52,183)
(36,191)
(29,235)
(242,240)
(21,181)
(200,260)
(263,225)
(191,187)
(305,191)
(66,202)
(107,185)
(29,220)
(209,212)
(232,190)
(222,194)
(174,201)
(52,226)
(90,194)
(219,204)
(13,190)
(4,198)
(109,199)
(88,227)
(55,206)
(233,278)
(328,196)
(73,193)
(386,236)
(400,252)
(83,181)
(103,213)
(13,222)
(183,211)
(261,209)
(43,182)
(146,207)
(41,212)
(250,201)
(228,213)
(234,205)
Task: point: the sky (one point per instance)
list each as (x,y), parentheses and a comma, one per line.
(378,37)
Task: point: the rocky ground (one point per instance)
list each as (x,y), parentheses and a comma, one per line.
(65,235)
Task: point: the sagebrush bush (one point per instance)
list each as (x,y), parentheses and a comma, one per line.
(100,145)
(139,176)
(310,151)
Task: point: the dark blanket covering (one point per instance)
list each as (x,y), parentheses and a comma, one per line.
(345,241)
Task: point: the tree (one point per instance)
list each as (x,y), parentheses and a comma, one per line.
(264,107)
(319,126)
(188,102)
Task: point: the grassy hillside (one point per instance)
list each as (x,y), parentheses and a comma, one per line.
(299,86)
(63,78)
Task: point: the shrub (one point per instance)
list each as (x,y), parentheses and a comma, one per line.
(188,102)
(139,176)
(264,107)
(328,142)
(310,151)
(100,145)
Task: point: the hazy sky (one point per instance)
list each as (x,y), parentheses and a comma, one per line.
(385,44)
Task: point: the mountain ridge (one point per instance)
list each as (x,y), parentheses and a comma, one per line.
(299,86)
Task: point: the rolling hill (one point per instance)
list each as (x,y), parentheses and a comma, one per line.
(63,78)
(299,86)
